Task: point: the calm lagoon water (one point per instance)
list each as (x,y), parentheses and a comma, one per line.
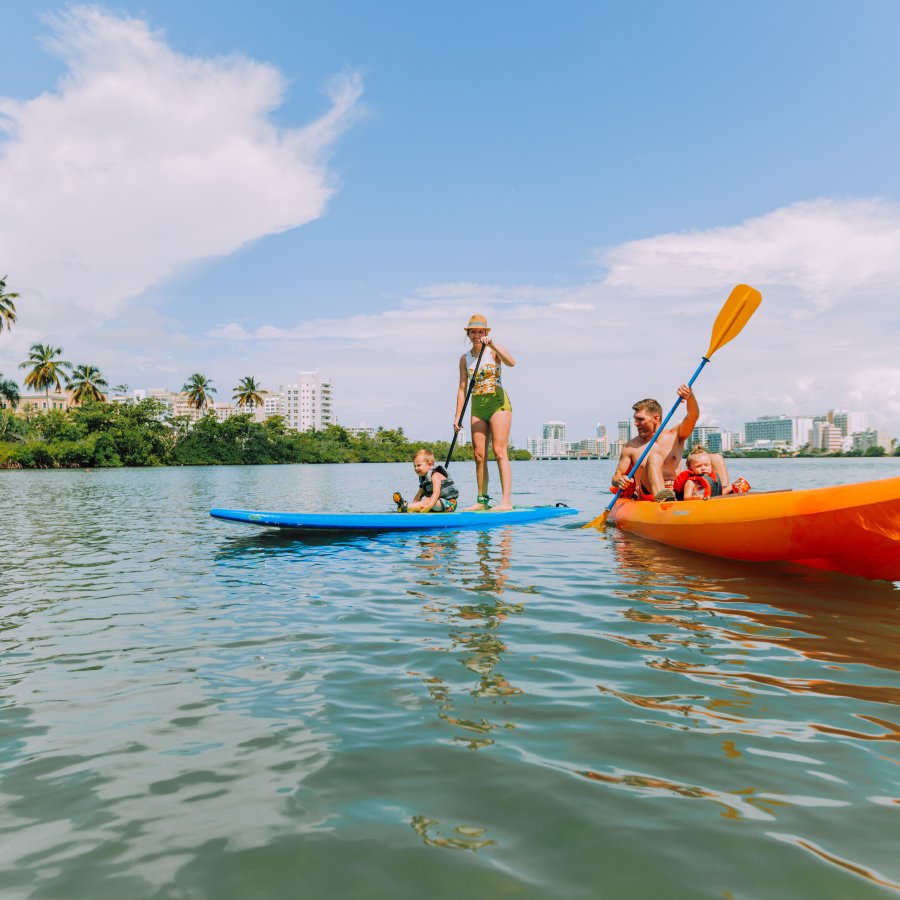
(193,709)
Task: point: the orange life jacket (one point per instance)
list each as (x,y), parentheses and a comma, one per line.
(711,485)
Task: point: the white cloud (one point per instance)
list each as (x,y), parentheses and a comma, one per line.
(825,335)
(141,160)
(825,249)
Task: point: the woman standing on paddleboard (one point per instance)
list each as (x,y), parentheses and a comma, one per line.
(491,408)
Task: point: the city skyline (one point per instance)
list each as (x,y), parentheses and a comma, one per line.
(254,188)
(833,429)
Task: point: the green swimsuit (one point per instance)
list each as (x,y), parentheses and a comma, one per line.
(488,395)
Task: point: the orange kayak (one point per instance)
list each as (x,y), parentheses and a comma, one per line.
(851,528)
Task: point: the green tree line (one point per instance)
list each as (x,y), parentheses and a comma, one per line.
(99,434)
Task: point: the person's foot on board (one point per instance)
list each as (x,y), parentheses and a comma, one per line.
(501,507)
(664,496)
(401,503)
(483,502)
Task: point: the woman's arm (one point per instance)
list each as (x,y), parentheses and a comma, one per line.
(500,352)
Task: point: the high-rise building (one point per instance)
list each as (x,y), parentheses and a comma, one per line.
(730,440)
(707,435)
(548,448)
(849,422)
(863,440)
(790,431)
(825,436)
(307,403)
(273,405)
(626,430)
(554,431)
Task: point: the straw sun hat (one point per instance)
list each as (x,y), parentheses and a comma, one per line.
(478,322)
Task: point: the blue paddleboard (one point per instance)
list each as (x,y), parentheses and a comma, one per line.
(392,521)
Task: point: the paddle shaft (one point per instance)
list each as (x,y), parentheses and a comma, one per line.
(656,434)
(465,404)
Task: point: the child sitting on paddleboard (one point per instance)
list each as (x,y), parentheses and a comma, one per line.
(437,492)
(699,481)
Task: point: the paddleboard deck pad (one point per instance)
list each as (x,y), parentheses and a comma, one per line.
(392,521)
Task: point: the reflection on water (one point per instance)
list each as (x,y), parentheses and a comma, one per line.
(196,709)
(474,628)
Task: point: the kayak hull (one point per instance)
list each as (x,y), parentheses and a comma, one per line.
(392,521)
(852,528)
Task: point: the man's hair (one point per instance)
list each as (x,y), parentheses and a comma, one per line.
(697,448)
(651,406)
(422,451)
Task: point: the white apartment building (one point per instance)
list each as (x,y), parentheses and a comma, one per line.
(548,448)
(308,403)
(849,422)
(825,436)
(863,440)
(730,440)
(273,405)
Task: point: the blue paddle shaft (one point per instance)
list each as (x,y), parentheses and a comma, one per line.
(656,434)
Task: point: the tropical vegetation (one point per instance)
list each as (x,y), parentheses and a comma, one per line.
(46,369)
(199,390)
(144,434)
(247,393)
(9,392)
(7,307)
(86,383)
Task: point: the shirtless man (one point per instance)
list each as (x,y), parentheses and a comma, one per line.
(654,479)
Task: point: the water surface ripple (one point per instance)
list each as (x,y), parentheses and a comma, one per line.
(193,709)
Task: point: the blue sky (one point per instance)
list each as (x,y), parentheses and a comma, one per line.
(262,188)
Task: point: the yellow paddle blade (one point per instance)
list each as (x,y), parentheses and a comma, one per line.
(733,316)
(599,522)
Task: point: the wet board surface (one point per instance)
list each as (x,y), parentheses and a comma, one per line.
(392,521)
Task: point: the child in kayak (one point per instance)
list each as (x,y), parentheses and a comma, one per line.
(699,480)
(437,492)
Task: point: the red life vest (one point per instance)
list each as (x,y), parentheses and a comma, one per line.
(711,485)
(628,493)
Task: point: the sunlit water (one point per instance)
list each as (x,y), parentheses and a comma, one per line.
(196,709)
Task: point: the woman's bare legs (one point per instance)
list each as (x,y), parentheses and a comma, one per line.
(501,422)
(480,431)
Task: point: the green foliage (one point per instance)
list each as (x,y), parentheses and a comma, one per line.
(9,393)
(7,307)
(142,434)
(45,369)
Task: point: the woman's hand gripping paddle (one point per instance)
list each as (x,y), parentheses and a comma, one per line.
(465,404)
(733,316)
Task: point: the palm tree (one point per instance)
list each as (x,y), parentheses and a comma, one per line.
(247,393)
(9,392)
(7,307)
(199,390)
(85,383)
(45,368)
